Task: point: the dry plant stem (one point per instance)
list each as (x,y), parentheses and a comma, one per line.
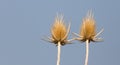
(58,56)
(87,52)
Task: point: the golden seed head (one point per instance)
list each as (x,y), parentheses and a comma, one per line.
(88,28)
(59,31)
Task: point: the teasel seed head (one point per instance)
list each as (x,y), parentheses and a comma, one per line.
(88,29)
(59,31)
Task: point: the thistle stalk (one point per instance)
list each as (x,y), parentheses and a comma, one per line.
(87,52)
(58,55)
(88,33)
(59,34)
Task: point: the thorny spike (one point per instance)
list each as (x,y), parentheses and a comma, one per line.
(99,32)
(77,35)
(90,14)
(68,30)
(60,17)
(98,39)
(48,39)
(53,34)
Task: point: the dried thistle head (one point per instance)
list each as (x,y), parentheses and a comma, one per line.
(88,29)
(59,31)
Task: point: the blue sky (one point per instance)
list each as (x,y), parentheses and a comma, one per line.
(24,22)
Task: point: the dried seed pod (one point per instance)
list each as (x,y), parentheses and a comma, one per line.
(88,30)
(59,31)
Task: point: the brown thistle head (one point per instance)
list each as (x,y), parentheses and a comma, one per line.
(88,30)
(59,31)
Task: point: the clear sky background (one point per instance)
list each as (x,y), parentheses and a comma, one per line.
(24,22)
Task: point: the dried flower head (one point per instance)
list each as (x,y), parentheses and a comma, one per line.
(59,31)
(88,29)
